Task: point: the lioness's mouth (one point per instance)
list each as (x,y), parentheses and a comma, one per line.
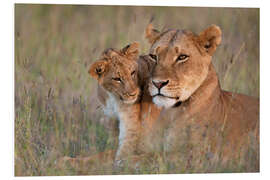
(177,101)
(176,98)
(177,104)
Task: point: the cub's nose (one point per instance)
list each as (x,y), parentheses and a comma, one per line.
(159,83)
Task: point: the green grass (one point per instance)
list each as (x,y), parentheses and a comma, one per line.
(54,46)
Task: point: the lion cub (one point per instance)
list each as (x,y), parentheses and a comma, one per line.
(119,88)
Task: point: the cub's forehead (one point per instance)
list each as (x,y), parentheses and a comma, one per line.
(117,59)
(122,65)
(172,38)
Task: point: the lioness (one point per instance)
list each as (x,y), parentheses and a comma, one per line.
(197,111)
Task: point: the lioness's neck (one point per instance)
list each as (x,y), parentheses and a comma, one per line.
(209,91)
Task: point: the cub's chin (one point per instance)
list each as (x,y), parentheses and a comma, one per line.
(132,101)
(166,102)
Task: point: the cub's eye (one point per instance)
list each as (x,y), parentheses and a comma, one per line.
(182,57)
(133,73)
(117,79)
(154,57)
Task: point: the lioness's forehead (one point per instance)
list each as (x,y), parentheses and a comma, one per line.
(171,38)
(163,41)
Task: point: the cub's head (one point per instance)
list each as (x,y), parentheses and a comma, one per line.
(116,71)
(182,62)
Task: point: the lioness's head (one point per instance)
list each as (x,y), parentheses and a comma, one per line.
(116,71)
(182,62)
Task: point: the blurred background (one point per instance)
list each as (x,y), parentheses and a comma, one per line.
(54,47)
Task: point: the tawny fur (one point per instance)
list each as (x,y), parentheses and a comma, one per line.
(116,102)
(119,93)
(226,121)
(117,98)
(208,121)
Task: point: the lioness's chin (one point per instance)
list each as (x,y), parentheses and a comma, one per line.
(165,102)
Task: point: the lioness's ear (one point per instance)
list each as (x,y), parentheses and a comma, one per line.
(151,34)
(131,50)
(210,38)
(98,68)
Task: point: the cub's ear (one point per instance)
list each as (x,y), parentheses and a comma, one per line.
(98,68)
(109,53)
(131,50)
(210,38)
(151,34)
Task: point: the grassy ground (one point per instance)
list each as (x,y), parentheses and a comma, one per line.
(54,46)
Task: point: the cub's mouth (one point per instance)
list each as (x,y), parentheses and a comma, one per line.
(130,99)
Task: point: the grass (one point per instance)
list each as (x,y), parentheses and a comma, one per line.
(54,46)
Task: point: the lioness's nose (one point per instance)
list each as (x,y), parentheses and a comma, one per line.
(159,84)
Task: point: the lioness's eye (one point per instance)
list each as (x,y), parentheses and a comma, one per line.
(153,56)
(117,79)
(182,57)
(133,72)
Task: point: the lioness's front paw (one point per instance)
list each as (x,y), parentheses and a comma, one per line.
(131,163)
(118,164)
